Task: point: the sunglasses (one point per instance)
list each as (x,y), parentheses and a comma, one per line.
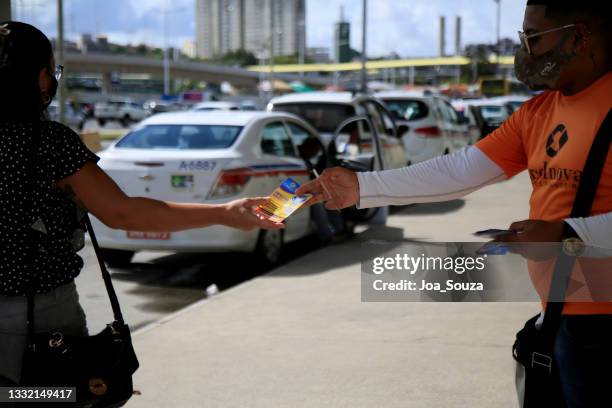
(524,38)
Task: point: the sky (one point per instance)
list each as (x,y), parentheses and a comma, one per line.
(407,27)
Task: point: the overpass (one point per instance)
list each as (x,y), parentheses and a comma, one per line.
(106,64)
(370,65)
(378,64)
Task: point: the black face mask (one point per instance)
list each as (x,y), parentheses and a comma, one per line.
(541,72)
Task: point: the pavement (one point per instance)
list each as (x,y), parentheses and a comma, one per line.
(300,336)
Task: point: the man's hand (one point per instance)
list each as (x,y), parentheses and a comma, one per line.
(241,214)
(338,186)
(529,231)
(534,231)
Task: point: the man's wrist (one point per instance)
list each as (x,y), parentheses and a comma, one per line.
(572,244)
(569,231)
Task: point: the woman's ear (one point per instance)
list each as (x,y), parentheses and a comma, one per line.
(43,79)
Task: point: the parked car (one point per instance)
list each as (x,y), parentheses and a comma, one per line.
(124,110)
(216,106)
(155,106)
(511,102)
(325,111)
(72,117)
(434,126)
(488,113)
(207,157)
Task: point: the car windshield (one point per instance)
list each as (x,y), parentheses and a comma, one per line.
(493,113)
(407,109)
(181,137)
(325,117)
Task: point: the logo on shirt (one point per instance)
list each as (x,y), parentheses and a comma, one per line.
(556,140)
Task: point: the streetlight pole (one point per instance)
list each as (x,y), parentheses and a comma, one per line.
(166,58)
(60,58)
(272,39)
(302,46)
(497,44)
(364,72)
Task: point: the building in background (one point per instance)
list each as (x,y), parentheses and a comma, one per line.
(318,55)
(88,44)
(342,40)
(189,49)
(229,25)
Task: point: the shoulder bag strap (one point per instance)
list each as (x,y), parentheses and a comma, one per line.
(110,289)
(581,208)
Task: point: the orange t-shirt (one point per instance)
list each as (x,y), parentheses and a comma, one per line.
(551,136)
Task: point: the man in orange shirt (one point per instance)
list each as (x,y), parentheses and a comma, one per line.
(566,51)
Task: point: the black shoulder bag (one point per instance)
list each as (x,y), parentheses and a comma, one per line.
(100,366)
(538,382)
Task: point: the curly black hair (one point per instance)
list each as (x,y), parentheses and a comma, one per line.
(24,51)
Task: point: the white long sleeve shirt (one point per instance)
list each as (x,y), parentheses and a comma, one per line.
(456,175)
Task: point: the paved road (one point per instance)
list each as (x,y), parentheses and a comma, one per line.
(159,283)
(300,336)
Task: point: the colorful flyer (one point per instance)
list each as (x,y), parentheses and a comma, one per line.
(283,201)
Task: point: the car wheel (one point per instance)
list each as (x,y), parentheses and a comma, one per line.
(116,257)
(126,120)
(101,122)
(269,247)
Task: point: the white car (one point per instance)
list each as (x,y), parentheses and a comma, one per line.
(325,111)
(216,106)
(72,118)
(511,102)
(434,126)
(124,110)
(207,157)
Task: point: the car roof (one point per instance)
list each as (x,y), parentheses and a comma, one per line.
(484,102)
(401,95)
(511,98)
(221,118)
(219,104)
(315,97)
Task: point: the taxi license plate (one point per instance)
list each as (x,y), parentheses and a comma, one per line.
(148,235)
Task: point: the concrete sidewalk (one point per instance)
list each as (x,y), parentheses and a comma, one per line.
(301,337)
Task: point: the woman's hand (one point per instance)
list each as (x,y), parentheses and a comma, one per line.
(241,214)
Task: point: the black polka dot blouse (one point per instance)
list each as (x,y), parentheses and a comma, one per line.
(52,260)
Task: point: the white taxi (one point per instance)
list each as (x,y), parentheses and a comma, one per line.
(207,157)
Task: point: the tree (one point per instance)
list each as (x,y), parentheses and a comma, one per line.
(239,57)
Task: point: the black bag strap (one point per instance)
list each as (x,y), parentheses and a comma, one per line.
(108,283)
(585,195)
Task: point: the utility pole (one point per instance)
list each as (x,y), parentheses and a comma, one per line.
(364,58)
(60,59)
